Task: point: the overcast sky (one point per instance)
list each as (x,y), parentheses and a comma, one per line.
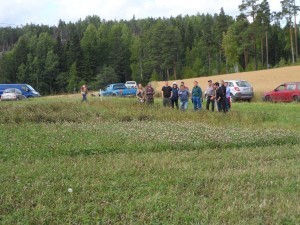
(48,12)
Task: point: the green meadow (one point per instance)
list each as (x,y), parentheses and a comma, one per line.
(119,162)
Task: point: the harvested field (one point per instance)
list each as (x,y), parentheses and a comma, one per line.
(262,81)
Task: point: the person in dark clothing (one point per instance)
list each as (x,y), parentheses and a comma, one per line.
(150,94)
(220,98)
(174,96)
(166,93)
(209,96)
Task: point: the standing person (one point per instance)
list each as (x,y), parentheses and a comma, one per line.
(166,94)
(140,93)
(183,94)
(84,92)
(174,95)
(197,96)
(228,102)
(150,94)
(224,93)
(220,98)
(209,95)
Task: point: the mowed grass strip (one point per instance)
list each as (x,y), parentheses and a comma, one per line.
(233,186)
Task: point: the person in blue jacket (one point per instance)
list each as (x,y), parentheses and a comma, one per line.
(183,94)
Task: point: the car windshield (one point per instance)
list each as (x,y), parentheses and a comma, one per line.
(119,86)
(243,84)
(10,90)
(31,88)
(130,82)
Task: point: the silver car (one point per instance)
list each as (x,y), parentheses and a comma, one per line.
(12,94)
(240,90)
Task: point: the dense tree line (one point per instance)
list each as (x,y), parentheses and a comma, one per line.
(60,58)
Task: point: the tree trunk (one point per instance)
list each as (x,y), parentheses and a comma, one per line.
(292,44)
(245,59)
(296,36)
(262,51)
(267,49)
(141,68)
(175,69)
(209,63)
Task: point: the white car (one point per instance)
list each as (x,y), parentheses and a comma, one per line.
(12,94)
(131,84)
(240,90)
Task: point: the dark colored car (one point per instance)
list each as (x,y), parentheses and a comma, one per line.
(287,92)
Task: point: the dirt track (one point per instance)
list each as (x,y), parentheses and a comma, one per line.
(261,81)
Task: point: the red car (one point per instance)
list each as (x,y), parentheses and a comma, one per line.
(287,92)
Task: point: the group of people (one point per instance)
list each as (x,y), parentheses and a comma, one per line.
(178,97)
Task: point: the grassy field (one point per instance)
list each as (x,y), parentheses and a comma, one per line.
(119,162)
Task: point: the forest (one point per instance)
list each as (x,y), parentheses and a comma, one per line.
(59,59)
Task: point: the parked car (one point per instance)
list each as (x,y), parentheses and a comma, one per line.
(240,90)
(117,90)
(26,89)
(12,94)
(287,92)
(131,84)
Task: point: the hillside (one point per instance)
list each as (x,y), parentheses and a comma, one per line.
(261,81)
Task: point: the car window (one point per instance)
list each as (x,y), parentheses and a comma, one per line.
(243,84)
(10,90)
(24,88)
(18,91)
(291,87)
(298,86)
(230,84)
(130,82)
(281,88)
(119,86)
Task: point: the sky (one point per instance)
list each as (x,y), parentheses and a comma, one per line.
(49,12)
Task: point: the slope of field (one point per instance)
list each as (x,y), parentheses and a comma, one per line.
(262,81)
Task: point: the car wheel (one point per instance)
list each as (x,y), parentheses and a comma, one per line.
(114,94)
(295,99)
(268,99)
(233,99)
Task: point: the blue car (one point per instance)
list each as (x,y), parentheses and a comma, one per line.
(26,89)
(118,90)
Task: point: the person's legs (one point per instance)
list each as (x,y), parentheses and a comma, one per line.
(208,101)
(168,102)
(164,102)
(176,103)
(219,103)
(224,104)
(84,98)
(229,103)
(212,105)
(181,106)
(185,105)
(199,103)
(172,103)
(195,102)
